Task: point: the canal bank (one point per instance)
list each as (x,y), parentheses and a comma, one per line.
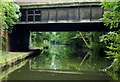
(13,58)
(4,73)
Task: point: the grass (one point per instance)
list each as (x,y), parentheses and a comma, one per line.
(34,47)
(3,52)
(11,57)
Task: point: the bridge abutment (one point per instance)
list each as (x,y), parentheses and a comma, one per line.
(19,40)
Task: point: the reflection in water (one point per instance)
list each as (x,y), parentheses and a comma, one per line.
(84,58)
(4,74)
(67,58)
(53,66)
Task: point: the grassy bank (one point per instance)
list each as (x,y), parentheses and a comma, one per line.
(12,57)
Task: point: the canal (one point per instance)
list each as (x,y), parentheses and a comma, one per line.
(61,62)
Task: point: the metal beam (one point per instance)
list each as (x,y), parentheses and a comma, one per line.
(82,13)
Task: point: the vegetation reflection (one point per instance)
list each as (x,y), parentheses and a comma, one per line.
(61,57)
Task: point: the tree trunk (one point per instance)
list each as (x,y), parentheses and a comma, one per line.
(85,41)
(84,58)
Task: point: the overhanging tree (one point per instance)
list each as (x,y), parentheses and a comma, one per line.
(111,18)
(9,16)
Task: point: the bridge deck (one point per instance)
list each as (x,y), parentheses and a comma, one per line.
(71,14)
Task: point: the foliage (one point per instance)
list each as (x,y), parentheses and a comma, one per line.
(64,38)
(73,39)
(3,52)
(111,18)
(113,75)
(112,41)
(37,38)
(10,14)
(4,40)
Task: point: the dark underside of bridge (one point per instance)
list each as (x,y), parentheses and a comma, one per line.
(61,27)
(19,38)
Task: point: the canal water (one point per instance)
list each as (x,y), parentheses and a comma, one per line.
(61,62)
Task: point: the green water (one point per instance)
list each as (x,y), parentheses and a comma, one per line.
(61,62)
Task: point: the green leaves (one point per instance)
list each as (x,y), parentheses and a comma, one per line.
(10,14)
(112,41)
(112,16)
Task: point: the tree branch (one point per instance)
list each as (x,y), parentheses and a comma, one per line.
(85,41)
(84,58)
